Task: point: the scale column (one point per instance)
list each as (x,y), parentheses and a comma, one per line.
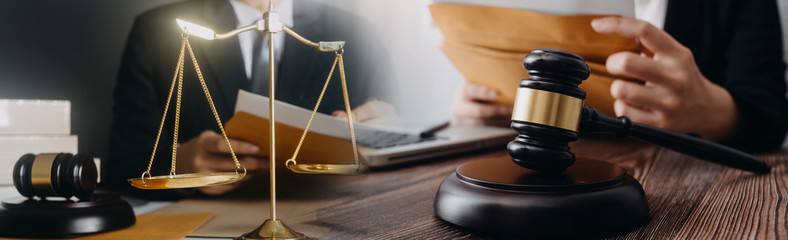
(272,26)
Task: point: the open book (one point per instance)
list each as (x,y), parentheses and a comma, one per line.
(328,137)
(297,117)
(326,142)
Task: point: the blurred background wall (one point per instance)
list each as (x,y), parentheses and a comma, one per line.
(68,50)
(422,81)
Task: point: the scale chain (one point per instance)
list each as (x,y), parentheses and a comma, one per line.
(178,78)
(178,69)
(338,60)
(314,111)
(213,108)
(177,113)
(347,106)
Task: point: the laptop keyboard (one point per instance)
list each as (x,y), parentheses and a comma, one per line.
(378,139)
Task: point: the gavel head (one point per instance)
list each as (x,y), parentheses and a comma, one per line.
(547,110)
(55,175)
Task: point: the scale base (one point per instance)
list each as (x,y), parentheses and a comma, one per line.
(32,218)
(590,198)
(273,229)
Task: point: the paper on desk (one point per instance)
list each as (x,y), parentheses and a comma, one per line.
(624,8)
(160,227)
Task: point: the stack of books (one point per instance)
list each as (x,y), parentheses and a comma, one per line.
(33,126)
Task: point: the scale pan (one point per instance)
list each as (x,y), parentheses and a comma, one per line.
(189,180)
(327,168)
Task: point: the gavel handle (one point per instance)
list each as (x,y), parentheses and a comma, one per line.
(594,121)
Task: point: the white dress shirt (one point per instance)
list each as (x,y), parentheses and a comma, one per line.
(248,15)
(652,11)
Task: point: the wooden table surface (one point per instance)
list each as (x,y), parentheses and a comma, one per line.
(688,198)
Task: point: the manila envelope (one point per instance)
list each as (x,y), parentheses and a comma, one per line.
(487,46)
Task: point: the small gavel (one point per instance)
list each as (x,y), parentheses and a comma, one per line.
(548,114)
(55,175)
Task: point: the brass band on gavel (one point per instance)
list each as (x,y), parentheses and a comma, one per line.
(547,108)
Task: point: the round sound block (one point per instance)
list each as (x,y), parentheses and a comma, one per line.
(31,218)
(590,198)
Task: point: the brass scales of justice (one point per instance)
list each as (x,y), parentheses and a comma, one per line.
(272,228)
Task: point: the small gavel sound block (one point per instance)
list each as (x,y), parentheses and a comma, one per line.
(50,182)
(543,191)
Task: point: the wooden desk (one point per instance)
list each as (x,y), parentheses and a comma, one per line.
(689,198)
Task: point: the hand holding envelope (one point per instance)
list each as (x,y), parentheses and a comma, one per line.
(673,94)
(487,45)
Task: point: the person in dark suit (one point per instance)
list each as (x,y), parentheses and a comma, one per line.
(147,69)
(716,70)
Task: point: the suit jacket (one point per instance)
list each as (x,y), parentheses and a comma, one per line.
(738,45)
(149,61)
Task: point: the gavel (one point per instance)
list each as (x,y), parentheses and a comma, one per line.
(55,175)
(548,114)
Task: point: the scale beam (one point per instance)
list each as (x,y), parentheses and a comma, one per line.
(262,25)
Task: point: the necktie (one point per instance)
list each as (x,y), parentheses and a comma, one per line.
(259,81)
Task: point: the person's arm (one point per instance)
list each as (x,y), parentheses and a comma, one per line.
(754,74)
(474,105)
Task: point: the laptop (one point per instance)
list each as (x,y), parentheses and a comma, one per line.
(382,146)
